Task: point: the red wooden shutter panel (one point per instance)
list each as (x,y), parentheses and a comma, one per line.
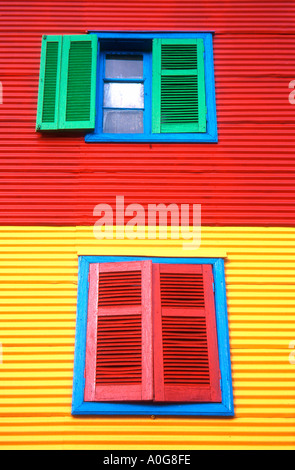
(119,332)
(186,361)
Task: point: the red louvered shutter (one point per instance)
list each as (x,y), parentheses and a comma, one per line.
(119,332)
(186,365)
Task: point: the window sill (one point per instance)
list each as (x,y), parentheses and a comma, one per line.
(167,138)
(134,409)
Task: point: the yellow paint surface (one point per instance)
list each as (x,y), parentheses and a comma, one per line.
(38,288)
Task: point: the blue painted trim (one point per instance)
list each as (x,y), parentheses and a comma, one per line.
(80,341)
(149,34)
(153,138)
(210,89)
(100,94)
(223,409)
(211,136)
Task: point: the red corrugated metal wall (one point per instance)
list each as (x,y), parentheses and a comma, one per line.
(246,179)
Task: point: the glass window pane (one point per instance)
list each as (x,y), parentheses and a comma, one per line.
(123,122)
(123,95)
(124,66)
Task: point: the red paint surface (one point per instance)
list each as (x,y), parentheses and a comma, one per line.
(246,179)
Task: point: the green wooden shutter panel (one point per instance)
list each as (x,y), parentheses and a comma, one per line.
(179,103)
(67,83)
(78,82)
(47,112)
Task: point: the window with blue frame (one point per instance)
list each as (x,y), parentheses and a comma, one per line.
(123,92)
(129,87)
(152,338)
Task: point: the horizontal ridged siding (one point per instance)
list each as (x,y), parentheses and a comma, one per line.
(38,288)
(244,16)
(246,179)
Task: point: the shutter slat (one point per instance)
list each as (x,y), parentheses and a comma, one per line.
(194,336)
(112,345)
(119,289)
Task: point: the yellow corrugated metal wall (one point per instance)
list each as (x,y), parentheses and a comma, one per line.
(38,291)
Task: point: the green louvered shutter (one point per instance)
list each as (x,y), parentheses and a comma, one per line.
(178,101)
(67,83)
(49,83)
(78,82)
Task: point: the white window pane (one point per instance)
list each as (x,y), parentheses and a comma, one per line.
(128,66)
(123,122)
(123,95)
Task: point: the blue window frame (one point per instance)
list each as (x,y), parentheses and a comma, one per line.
(141,43)
(144,81)
(80,407)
